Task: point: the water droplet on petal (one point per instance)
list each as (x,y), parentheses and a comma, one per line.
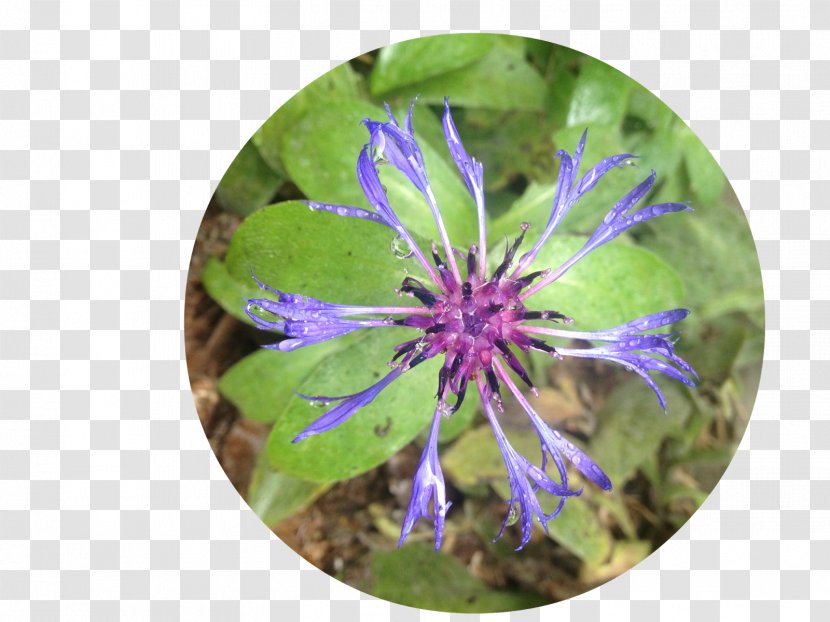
(513,514)
(318,403)
(400,248)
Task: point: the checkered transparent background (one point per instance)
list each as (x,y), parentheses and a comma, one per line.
(116,122)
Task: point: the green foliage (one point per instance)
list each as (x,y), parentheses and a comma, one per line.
(502,80)
(600,96)
(632,427)
(260,384)
(510,144)
(410,62)
(231,293)
(340,84)
(612,285)
(474,462)
(515,102)
(714,253)
(335,132)
(249,183)
(291,248)
(578,529)
(374,432)
(274,496)
(417,576)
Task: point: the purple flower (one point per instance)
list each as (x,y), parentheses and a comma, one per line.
(477,321)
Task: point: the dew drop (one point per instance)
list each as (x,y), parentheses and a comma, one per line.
(400,248)
(513,514)
(318,403)
(342,211)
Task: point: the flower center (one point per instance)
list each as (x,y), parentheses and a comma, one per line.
(473,323)
(478,313)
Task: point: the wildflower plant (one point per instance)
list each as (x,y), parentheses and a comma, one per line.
(472,310)
(405,405)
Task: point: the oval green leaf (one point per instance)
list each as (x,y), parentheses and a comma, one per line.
(502,80)
(231,293)
(248,184)
(261,383)
(320,155)
(614,284)
(417,576)
(632,426)
(318,254)
(339,84)
(374,432)
(274,496)
(411,61)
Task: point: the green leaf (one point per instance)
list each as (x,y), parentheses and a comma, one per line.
(274,496)
(578,529)
(341,83)
(600,96)
(374,432)
(714,346)
(415,60)
(509,144)
(261,383)
(417,576)
(321,155)
(647,111)
(293,249)
(631,426)
(659,151)
(534,207)
(561,86)
(614,284)
(248,184)
(502,80)
(231,293)
(706,177)
(713,252)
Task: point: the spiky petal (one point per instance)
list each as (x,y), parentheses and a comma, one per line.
(428,487)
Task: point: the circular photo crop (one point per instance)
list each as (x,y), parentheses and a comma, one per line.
(474,323)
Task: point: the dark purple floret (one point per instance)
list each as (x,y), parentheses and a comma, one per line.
(479,321)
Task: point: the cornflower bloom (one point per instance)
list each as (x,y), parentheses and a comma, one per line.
(478,321)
